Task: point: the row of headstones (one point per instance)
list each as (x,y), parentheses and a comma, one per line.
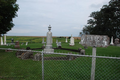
(12,41)
(59,43)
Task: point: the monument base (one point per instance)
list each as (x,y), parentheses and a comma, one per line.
(48,50)
(71,44)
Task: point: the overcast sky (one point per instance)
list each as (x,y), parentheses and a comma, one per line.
(66,17)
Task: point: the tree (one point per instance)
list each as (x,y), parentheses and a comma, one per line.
(106,21)
(8,11)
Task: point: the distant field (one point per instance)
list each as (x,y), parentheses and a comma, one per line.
(36,39)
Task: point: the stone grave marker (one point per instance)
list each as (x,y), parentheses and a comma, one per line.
(48,47)
(95,40)
(66,40)
(72,41)
(17,44)
(116,41)
(26,43)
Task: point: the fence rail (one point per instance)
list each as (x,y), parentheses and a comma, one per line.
(85,67)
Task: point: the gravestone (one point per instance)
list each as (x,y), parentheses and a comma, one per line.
(1,41)
(43,41)
(27,55)
(66,40)
(95,40)
(111,43)
(26,43)
(37,57)
(4,39)
(72,41)
(17,44)
(59,44)
(48,47)
(116,41)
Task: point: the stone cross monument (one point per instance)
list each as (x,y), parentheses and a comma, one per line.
(48,47)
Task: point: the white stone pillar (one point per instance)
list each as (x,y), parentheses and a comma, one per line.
(1,41)
(112,41)
(4,39)
(66,40)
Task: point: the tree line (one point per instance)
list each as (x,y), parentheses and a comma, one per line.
(106,21)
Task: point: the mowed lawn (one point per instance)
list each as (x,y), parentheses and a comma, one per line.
(13,68)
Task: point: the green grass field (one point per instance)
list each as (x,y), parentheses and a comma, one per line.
(13,68)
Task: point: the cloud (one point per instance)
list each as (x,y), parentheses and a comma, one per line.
(65,16)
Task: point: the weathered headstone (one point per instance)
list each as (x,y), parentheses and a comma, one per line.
(1,41)
(95,40)
(116,41)
(111,43)
(27,55)
(17,44)
(37,57)
(72,41)
(59,44)
(48,47)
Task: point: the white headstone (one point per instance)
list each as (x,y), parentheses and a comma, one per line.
(26,43)
(1,41)
(72,41)
(66,40)
(112,41)
(4,39)
(43,40)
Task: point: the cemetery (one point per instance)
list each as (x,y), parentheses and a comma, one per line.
(16,63)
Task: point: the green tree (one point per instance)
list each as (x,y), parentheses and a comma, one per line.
(8,11)
(106,21)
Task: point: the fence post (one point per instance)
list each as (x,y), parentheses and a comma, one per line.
(93,63)
(42,55)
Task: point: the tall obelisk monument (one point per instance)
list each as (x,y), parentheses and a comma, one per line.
(48,47)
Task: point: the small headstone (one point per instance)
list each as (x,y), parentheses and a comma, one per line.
(72,41)
(27,55)
(26,43)
(70,57)
(66,40)
(116,41)
(59,45)
(82,52)
(43,41)
(37,57)
(17,44)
